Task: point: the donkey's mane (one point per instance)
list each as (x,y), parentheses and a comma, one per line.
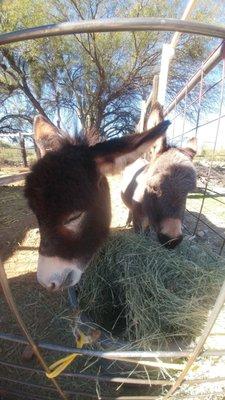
(187,151)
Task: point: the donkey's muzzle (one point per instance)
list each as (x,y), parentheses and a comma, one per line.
(55,273)
(169,243)
(57,282)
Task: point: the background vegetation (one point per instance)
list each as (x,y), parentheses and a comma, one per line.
(92,82)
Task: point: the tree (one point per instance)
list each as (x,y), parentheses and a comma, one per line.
(94,81)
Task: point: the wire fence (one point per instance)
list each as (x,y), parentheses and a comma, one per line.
(199,112)
(185,109)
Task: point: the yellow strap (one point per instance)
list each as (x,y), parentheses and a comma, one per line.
(58,366)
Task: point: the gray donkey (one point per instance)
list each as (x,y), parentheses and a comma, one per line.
(155,191)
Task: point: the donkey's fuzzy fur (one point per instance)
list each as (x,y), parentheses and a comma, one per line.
(155,191)
(69,193)
(64,181)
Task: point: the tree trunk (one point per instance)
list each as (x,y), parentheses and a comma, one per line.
(33,100)
(92,135)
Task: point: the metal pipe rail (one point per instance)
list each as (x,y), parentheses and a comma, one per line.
(114,25)
(117,355)
(100,378)
(114,379)
(85,395)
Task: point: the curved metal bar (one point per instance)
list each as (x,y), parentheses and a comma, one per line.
(112,355)
(84,395)
(12,305)
(114,25)
(98,378)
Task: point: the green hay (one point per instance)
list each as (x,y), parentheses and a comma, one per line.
(148,295)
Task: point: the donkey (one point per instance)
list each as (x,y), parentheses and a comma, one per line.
(69,193)
(155,191)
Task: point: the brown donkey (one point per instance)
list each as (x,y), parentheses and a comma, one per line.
(69,194)
(155,191)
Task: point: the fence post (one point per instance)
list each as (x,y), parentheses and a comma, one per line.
(23,150)
(150,116)
(145,105)
(167,55)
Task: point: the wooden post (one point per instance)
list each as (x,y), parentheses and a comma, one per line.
(155,87)
(23,150)
(186,13)
(167,55)
(151,118)
(145,106)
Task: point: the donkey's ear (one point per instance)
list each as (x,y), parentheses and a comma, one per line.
(114,155)
(191,148)
(46,135)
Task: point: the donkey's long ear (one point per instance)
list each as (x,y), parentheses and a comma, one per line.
(113,155)
(46,135)
(191,148)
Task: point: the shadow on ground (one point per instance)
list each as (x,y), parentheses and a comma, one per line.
(206,232)
(15,219)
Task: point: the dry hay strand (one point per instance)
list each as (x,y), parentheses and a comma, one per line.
(149,296)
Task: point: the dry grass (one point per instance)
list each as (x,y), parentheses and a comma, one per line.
(12,157)
(150,296)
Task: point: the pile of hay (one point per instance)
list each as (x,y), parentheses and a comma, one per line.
(150,296)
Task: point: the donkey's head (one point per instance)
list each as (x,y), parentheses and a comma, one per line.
(69,194)
(172,177)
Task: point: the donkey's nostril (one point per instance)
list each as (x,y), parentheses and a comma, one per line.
(169,243)
(62,282)
(52,287)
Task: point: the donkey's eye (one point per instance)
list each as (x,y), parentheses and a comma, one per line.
(73,217)
(154,188)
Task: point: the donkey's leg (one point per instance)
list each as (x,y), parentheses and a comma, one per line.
(145,224)
(129,218)
(140,221)
(137,221)
(72,297)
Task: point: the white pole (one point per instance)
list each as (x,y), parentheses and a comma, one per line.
(189,8)
(140,125)
(168,53)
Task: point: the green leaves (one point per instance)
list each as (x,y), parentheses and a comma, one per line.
(99,77)
(18,14)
